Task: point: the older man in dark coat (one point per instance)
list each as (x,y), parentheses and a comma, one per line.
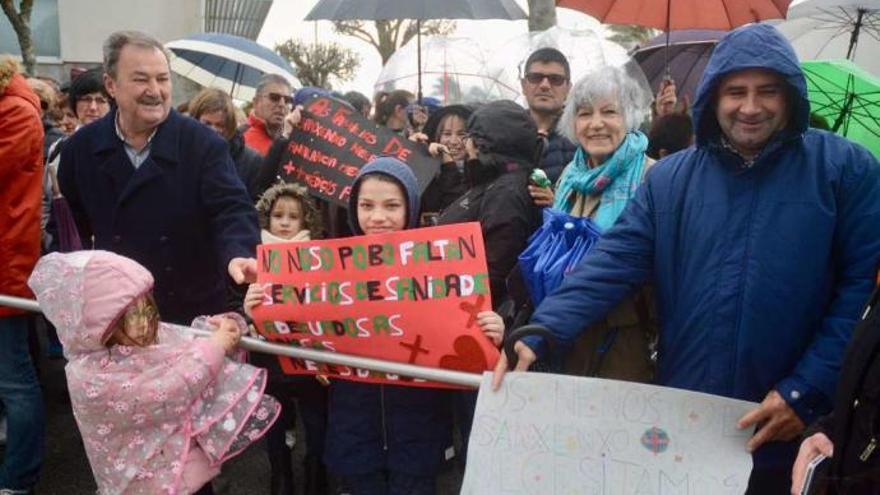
(158,187)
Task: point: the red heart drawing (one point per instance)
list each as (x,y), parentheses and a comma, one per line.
(468,356)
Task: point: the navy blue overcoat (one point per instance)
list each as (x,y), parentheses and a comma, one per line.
(183,214)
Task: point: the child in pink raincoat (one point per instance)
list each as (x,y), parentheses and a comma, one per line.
(159,410)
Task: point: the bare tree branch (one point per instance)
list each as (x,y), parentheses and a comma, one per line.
(356,29)
(391,34)
(630,36)
(316,63)
(21,21)
(542,14)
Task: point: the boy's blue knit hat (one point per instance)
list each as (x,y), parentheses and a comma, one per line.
(400,172)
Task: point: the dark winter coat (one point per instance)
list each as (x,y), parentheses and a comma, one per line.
(498,197)
(760,272)
(387,427)
(247,164)
(51,133)
(854,427)
(558,152)
(183,214)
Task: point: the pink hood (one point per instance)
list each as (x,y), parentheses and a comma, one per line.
(94,291)
(142,410)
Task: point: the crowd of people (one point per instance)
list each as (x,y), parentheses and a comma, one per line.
(738,250)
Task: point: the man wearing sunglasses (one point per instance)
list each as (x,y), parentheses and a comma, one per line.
(545,84)
(271,104)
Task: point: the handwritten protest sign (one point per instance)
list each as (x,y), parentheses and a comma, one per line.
(410,296)
(552,435)
(332,142)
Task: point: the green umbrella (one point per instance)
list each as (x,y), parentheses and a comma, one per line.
(848,97)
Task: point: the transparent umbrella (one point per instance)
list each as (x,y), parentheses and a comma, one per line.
(836,29)
(418,10)
(453,70)
(585,50)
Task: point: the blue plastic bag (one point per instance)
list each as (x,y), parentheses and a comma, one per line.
(554,250)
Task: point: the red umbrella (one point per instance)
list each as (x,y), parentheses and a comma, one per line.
(674,15)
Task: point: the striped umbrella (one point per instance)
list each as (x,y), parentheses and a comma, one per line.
(231,63)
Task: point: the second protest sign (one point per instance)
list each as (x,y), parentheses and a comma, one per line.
(332,142)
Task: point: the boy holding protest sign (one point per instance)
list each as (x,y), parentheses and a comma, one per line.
(388,438)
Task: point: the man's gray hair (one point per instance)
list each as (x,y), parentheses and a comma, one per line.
(606,82)
(272,79)
(119,39)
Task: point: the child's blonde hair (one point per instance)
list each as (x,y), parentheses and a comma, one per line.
(311,217)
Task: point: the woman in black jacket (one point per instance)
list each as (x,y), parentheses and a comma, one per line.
(445,133)
(215,109)
(850,435)
(502,149)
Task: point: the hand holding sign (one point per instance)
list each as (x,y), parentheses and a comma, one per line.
(776,420)
(291,121)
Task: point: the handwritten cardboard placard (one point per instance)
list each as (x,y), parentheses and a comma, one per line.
(410,296)
(553,435)
(332,142)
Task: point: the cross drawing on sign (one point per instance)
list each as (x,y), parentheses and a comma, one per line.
(289,168)
(655,440)
(415,349)
(473,309)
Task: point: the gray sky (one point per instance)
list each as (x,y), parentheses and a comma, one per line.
(285,20)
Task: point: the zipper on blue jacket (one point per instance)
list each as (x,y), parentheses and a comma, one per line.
(384,427)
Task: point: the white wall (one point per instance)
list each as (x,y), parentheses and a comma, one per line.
(85,24)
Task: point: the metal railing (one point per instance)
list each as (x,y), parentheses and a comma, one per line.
(460,378)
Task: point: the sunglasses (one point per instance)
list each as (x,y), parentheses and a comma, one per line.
(538,78)
(277,97)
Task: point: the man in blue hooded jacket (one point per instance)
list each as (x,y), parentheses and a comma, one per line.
(762,242)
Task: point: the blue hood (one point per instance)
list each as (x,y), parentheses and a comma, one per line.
(396,169)
(757,46)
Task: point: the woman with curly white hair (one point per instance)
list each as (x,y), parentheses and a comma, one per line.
(602,115)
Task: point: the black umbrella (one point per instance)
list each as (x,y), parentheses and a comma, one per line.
(684,59)
(419,10)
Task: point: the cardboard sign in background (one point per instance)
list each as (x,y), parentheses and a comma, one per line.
(559,435)
(332,142)
(410,297)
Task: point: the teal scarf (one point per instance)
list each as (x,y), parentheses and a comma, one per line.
(616,179)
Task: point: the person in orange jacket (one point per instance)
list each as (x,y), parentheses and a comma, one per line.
(271,104)
(21,176)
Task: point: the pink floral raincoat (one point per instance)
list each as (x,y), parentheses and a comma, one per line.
(157,419)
